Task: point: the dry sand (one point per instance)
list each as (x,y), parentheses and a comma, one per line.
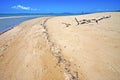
(45,49)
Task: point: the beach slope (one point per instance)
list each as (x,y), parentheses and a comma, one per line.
(81,47)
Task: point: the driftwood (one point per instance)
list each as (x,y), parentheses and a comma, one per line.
(85,21)
(101,18)
(77,21)
(67,25)
(105,17)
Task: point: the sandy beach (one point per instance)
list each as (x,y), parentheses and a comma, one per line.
(81,47)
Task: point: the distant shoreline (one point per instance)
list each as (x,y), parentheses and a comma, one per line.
(20,16)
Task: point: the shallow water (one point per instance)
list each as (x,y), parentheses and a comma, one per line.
(9,22)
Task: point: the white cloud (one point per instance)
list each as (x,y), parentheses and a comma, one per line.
(24,8)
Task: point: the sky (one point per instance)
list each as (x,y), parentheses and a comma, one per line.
(57,6)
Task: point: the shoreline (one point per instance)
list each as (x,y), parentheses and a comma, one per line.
(20,21)
(6,30)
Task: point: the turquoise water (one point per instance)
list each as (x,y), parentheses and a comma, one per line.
(7,21)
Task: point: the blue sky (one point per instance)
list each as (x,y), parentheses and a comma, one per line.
(57,6)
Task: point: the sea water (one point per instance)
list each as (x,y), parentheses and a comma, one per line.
(9,21)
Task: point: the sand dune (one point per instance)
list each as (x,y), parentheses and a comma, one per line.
(56,48)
